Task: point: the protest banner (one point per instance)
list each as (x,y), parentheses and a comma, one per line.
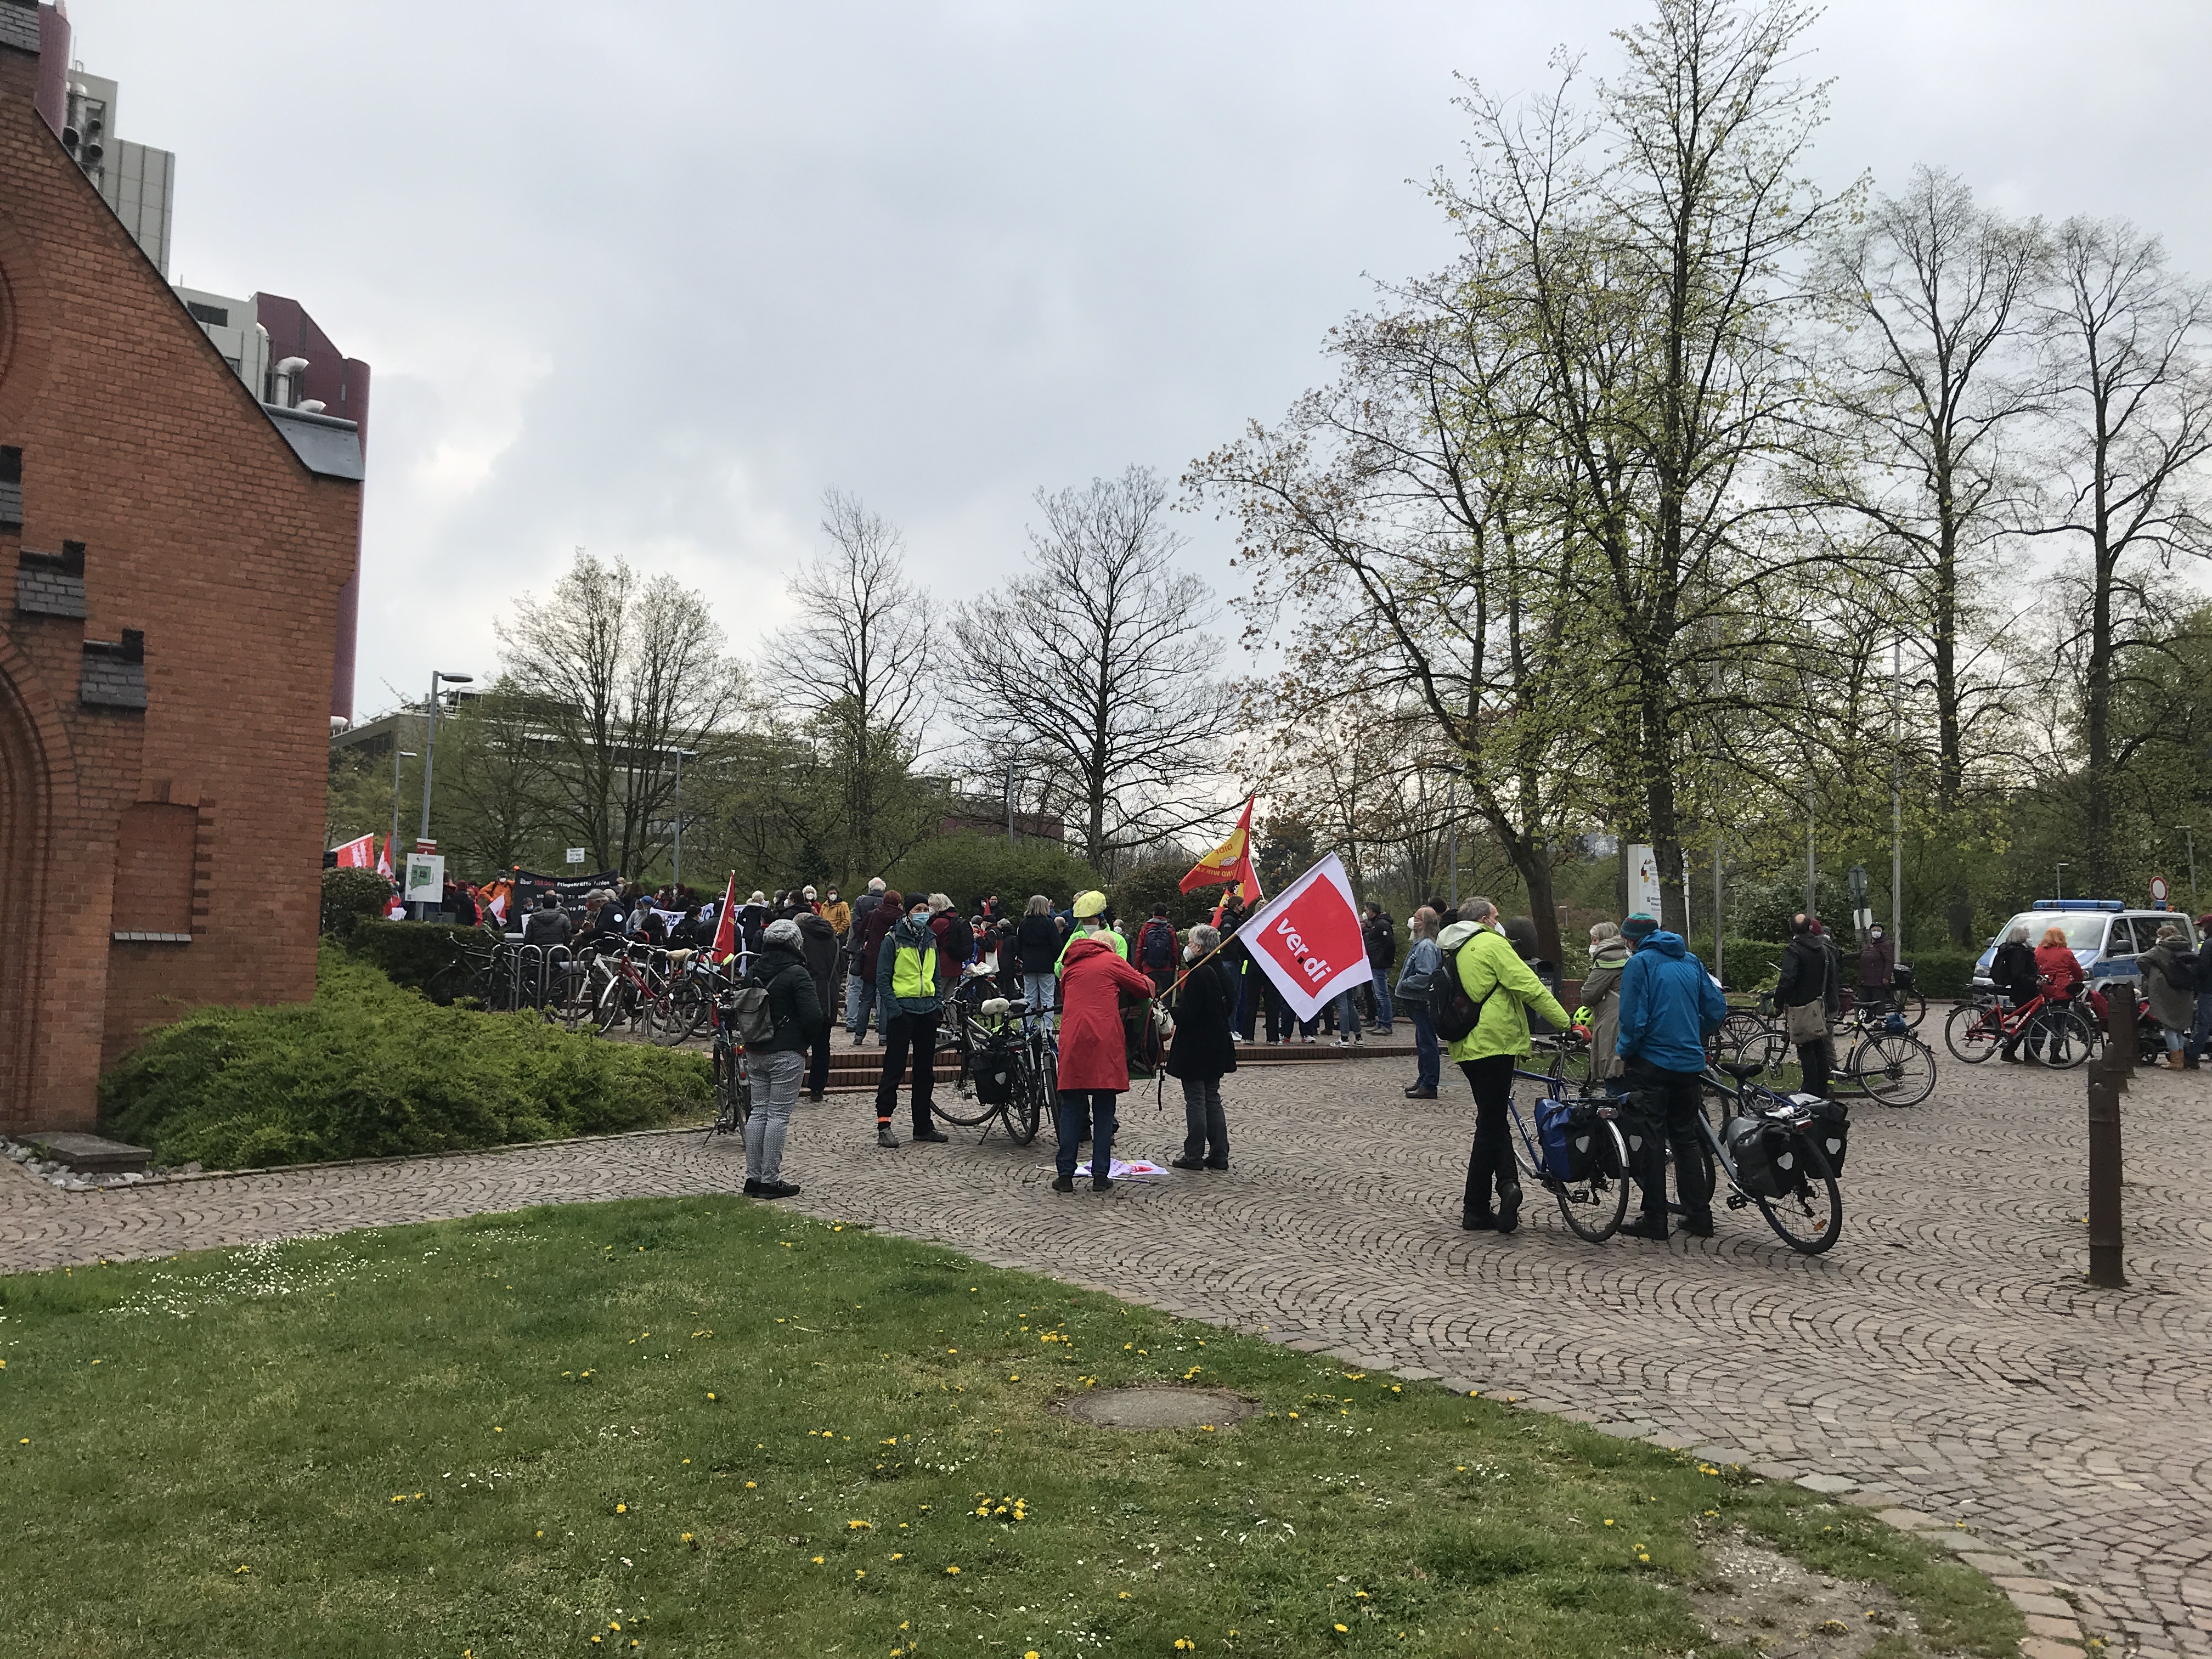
(1307,939)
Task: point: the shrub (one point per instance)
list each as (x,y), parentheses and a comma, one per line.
(1944,972)
(1747,964)
(409,952)
(966,867)
(350,897)
(369,1069)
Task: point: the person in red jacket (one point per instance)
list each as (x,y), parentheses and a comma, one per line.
(2060,969)
(1094,1059)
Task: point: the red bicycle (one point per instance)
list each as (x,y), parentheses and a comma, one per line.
(2054,1030)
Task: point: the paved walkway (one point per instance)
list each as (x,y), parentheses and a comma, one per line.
(1948,1351)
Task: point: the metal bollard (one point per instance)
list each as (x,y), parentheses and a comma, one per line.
(2107,1078)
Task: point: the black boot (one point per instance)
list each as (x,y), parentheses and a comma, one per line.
(931,1135)
(884,1137)
(1646,1226)
(1477,1221)
(1509,1206)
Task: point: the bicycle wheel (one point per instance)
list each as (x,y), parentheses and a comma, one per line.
(733,1091)
(1912,1004)
(1768,1045)
(1593,1207)
(572,996)
(1810,1216)
(1026,1111)
(2068,1038)
(1895,1070)
(1974,1032)
(618,1004)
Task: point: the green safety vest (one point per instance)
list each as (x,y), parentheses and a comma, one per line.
(1121,946)
(914,973)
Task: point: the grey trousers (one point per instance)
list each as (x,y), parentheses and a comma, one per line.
(1205,1130)
(776,1079)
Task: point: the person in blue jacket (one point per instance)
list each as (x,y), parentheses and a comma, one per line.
(1669,1005)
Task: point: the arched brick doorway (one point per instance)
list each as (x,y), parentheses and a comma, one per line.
(25,796)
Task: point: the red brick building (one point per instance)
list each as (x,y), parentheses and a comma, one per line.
(180,555)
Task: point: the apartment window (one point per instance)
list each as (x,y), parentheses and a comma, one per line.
(214,316)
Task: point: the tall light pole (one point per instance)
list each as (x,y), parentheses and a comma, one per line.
(398,755)
(431,741)
(2058,876)
(1897,800)
(2191,836)
(682,754)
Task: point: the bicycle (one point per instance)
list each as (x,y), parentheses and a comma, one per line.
(996,1070)
(732,1069)
(2057,1031)
(1578,1154)
(1886,1062)
(1799,1148)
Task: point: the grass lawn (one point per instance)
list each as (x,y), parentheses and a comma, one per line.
(704,1426)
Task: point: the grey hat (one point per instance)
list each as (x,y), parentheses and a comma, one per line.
(783,931)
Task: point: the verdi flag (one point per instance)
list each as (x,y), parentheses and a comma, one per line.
(1230,862)
(1307,938)
(358,855)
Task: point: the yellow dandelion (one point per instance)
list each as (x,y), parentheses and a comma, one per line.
(953,1572)
(817,1560)
(749,1485)
(622,1509)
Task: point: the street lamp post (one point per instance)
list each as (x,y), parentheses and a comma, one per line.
(2189,835)
(398,755)
(2058,876)
(430,743)
(682,754)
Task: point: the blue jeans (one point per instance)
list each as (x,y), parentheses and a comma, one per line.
(860,1003)
(1384,1014)
(1347,1013)
(1427,1061)
(1076,1106)
(1037,992)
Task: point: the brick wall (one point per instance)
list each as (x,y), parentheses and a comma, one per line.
(203,531)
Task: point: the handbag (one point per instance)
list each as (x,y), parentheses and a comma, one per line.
(1807,1022)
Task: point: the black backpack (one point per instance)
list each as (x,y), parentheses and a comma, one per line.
(1156,944)
(1456,1012)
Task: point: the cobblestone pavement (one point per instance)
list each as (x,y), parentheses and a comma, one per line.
(1948,1352)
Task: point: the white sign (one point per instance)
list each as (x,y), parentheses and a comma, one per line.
(426,878)
(575,855)
(2158,889)
(1643,882)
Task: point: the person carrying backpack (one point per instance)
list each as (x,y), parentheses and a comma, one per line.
(1669,1005)
(1482,1006)
(1155,949)
(794,1009)
(2169,982)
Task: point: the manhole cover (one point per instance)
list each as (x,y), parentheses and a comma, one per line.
(1159,1408)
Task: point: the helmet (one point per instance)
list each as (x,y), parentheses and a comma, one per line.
(1090,903)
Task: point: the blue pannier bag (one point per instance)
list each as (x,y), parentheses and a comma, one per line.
(1563,1138)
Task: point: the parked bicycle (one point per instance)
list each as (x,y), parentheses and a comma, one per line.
(732,1069)
(1580,1153)
(1780,1153)
(1003,1061)
(1879,1058)
(2058,1031)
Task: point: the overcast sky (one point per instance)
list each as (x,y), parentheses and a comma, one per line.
(647,277)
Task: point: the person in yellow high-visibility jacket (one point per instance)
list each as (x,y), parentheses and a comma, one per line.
(906,992)
(1090,911)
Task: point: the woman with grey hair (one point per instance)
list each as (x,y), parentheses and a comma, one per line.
(2013,971)
(1204,1049)
(1416,984)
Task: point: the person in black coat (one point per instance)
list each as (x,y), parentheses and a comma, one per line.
(817,943)
(1204,1050)
(799,1022)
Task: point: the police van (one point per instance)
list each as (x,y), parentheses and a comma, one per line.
(2104,934)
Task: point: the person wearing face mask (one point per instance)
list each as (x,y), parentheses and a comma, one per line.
(1877,969)
(1094,1055)
(906,987)
(1204,1049)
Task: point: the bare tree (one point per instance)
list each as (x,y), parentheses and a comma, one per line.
(1936,296)
(2128,338)
(1097,658)
(855,670)
(621,674)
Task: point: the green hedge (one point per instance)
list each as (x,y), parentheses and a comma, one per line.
(369,1069)
(1752,964)
(1945,973)
(408,952)
(350,897)
(1748,964)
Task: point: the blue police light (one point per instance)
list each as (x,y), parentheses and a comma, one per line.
(2078,904)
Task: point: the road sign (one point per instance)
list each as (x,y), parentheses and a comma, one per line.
(575,855)
(2158,889)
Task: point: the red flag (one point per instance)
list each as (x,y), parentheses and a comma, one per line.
(1307,939)
(358,855)
(1231,861)
(384,860)
(726,924)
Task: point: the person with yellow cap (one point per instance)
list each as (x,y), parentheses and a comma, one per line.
(1090,923)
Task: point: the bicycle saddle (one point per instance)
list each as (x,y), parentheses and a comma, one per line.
(1743,1070)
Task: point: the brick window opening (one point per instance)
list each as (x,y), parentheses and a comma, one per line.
(153,870)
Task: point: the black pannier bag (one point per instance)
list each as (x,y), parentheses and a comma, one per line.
(1764,1156)
(995,1075)
(1830,1131)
